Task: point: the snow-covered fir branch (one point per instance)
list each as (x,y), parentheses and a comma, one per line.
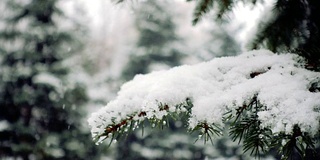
(222,89)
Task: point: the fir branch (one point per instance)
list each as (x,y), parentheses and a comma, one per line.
(225,6)
(112,129)
(286,28)
(116,130)
(203,7)
(246,127)
(297,142)
(207,131)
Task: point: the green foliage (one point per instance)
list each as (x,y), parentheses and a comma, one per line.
(244,126)
(220,7)
(203,6)
(116,130)
(293,27)
(155,44)
(155,30)
(43,110)
(222,43)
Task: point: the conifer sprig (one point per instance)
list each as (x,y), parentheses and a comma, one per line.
(203,7)
(245,127)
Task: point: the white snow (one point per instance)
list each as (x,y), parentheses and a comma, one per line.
(4,125)
(221,85)
(47,78)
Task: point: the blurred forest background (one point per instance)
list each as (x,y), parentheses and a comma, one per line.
(63,59)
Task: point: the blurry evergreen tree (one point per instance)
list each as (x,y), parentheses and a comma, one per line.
(41,111)
(228,45)
(157,42)
(221,43)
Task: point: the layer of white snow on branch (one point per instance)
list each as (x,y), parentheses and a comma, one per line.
(279,82)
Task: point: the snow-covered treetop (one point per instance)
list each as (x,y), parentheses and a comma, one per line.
(217,89)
